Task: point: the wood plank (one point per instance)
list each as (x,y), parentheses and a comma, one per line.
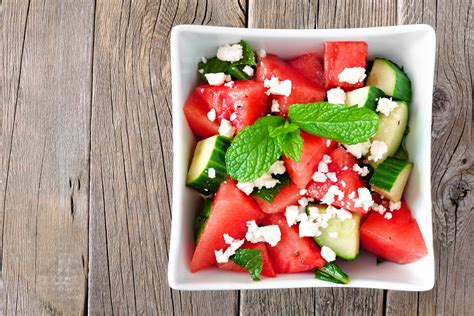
(131,158)
(452,159)
(45,174)
(318,14)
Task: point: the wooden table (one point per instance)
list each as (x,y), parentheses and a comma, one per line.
(86,156)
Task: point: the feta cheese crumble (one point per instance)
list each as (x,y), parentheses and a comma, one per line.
(248,71)
(266,180)
(386,105)
(201,71)
(261,53)
(394,206)
(215,79)
(336,96)
(319,177)
(203,59)
(379,208)
(388,216)
(328,142)
(233,116)
(270,234)
(308,228)
(358,150)
(230,53)
(275,106)
(291,214)
(211,173)
(323,167)
(377,150)
(331,176)
(352,75)
(211,115)
(234,244)
(229,84)
(362,171)
(331,194)
(364,199)
(277,87)
(328,254)
(303,192)
(226,129)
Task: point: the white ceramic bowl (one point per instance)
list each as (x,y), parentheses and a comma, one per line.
(412,46)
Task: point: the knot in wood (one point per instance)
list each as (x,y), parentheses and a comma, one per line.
(440,99)
(458,191)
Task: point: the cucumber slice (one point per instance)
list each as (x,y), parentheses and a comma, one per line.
(207,169)
(201,220)
(365,97)
(390,178)
(388,77)
(391,130)
(346,244)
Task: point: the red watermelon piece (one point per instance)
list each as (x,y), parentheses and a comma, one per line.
(339,56)
(314,147)
(288,195)
(230,212)
(310,66)
(303,90)
(398,239)
(293,253)
(195,111)
(267,269)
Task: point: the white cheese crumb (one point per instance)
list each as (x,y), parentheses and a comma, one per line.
(226,129)
(329,197)
(233,116)
(343,183)
(328,142)
(377,150)
(364,199)
(386,105)
(362,171)
(248,71)
(271,234)
(266,180)
(277,87)
(211,115)
(358,150)
(201,71)
(303,202)
(333,234)
(230,53)
(308,229)
(327,159)
(228,239)
(234,244)
(275,106)
(332,176)
(253,233)
(211,172)
(351,195)
(319,177)
(261,53)
(379,208)
(215,79)
(394,206)
(291,213)
(303,192)
(220,257)
(336,96)
(204,60)
(352,75)
(341,213)
(328,254)
(388,216)
(229,84)
(323,167)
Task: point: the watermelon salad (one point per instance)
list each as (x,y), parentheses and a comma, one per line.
(300,162)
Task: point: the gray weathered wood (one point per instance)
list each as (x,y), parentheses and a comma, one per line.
(131,158)
(46,90)
(452,160)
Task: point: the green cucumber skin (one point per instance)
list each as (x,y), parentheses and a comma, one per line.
(402,88)
(386,174)
(372,96)
(201,220)
(203,183)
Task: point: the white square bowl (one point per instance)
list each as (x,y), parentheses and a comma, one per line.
(411,46)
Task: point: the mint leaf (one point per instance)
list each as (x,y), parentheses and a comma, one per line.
(250,260)
(291,145)
(236,73)
(248,56)
(332,273)
(268,195)
(282,129)
(253,151)
(213,65)
(345,124)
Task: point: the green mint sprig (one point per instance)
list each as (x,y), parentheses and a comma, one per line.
(332,273)
(251,260)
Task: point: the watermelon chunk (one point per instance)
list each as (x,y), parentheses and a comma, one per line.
(339,56)
(314,147)
(348,181)
(288,195)
(292,253)
(398,239)
(195,111)
(246,98)
(303,90)
(267,269)
(310,66)
(230,212)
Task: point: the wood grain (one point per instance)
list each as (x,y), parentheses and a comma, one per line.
(131,158)
(452,160)
(46,88)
